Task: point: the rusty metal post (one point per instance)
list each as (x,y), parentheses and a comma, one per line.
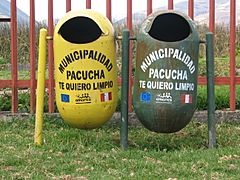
(170,5)
(88,4)
(50,59)
(191,9)
(149,7)
(32,58)
(14,56)
(212,16)
(109,9)
(232,55)
(68,5)
(129,26)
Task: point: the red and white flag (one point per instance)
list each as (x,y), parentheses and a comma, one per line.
(186,98)
(106,96)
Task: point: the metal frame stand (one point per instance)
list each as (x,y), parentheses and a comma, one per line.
(124,89)
(210,90)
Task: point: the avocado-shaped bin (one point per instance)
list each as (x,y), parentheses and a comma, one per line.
(85,69)
(165,87)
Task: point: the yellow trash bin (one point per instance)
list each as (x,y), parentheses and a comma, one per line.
(85,69)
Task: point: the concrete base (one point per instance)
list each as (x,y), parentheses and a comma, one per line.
(201,116)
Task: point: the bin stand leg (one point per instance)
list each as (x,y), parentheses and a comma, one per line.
(124,90)
(40,86)
(210,90)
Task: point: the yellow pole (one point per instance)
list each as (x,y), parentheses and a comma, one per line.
(40,86)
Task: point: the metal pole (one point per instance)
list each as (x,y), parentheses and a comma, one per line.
(14,56)
(212,16)
(170,4)
(68,5)
(32,58)
(51,83)
(88,4)
(129,26)
(109,9)
(149,7)
(232,55)
(210,90)
(40,86)
(124,89)
(191,9)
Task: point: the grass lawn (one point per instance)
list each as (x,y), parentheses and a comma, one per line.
(70,153)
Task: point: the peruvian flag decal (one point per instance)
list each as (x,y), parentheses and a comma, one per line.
(186,98)
(106,96)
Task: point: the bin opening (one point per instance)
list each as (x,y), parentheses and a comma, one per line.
(170,27)
(80,30)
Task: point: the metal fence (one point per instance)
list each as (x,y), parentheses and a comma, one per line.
(15,83)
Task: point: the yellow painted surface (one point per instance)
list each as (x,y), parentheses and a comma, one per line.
(81,102)
(40,86)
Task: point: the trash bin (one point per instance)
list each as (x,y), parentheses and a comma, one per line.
(165,88)
(85,69)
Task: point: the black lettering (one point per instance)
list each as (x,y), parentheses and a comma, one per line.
(78,75)
(80,54)
(85,52)
(64,63)
(96,74)
(76,55)
(78,86)
(95,55)
(68,59)
(109,68)
(68,74)
(102,75)
(61,68)
(103,58)
(84,75)
(99,57)
(90,56)
(102,85)
(73,76)
(106,63)
(61,85)
(72,58)
(91,74)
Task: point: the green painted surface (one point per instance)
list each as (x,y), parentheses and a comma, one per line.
(124,89)
(165,87)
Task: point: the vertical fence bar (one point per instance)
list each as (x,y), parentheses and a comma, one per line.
(109,9)
(212,16)
(14,56)
(50,59)
(232,55)
(149,7)
(129,26)
(68,5)
(170,4)
(88,4)
(191,9)
(32,58)
(124,90)
(210,90)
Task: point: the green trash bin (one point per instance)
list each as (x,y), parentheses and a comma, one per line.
(165,88)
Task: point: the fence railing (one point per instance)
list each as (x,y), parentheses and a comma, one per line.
(15,83)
